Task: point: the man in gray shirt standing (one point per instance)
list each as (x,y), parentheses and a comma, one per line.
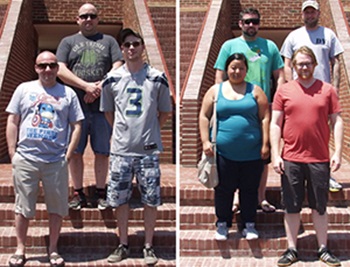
(84,59)
(136,102)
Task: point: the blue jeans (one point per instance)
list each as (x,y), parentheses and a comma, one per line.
(95,125)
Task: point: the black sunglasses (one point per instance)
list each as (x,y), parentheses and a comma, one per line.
(254,21)
(43,66)
(86,16)
(134,44)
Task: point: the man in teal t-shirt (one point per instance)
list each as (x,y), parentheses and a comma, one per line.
(264,60)
(264,63)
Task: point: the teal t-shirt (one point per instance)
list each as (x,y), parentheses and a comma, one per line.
(239,135)
(263,58)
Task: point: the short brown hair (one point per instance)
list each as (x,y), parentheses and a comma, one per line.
(306,51)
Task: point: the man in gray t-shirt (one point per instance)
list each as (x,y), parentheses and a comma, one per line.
(43,130)
(136,101)
(84,59)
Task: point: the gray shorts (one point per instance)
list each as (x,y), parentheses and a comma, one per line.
(122,170)
(315,175)
(27,176)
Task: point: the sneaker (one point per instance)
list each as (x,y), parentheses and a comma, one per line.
(149,256)
(334,186)
(249,232)
(288,257)
(327,257)
(121,253)
(102,204)
(221,231)
(78,201)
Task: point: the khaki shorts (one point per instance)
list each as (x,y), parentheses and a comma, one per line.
(26,178)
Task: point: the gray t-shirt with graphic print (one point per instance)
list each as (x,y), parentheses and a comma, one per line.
(45,117)
(90,58)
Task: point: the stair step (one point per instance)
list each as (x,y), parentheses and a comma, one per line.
(199,217)
(252,262)
(86,238)
(166,216)
(271,243)
(98,258)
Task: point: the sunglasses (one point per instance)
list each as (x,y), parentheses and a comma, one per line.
(86,16)
(43,66)
(134,44)
(254,21)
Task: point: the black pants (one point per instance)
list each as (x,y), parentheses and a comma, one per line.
(242,175)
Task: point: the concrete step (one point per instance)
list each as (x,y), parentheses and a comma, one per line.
(199,217)
(272,243)
(98,258)
(252,262)
(88,217)
(87,238)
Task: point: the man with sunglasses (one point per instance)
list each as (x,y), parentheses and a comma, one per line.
(40,144)
(136,102)
(327,48)
(84,59)
(264,62)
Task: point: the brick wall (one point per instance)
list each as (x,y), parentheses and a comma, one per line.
(274,13)
(20,65)
(54,11)
(191,99)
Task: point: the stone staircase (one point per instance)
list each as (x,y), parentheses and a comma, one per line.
(88,236)
(197,228)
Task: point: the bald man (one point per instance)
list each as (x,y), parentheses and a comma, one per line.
(40,113)
(84,59)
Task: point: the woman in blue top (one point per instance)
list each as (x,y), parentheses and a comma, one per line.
(242,143)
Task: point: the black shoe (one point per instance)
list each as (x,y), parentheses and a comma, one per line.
(78,201)
(288,257)
(99,201)
(327,257)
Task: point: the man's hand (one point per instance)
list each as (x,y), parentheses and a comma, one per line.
(93,91)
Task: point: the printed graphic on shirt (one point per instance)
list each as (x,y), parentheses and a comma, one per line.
(43,118)
(134,108)
(90,63)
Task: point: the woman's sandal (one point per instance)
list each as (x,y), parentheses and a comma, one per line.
(267,207)
(17,257)
(55,257)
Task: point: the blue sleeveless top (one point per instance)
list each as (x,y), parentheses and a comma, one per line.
(239,127)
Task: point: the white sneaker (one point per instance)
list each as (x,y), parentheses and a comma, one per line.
(334,186)
(221,231)
(249,232)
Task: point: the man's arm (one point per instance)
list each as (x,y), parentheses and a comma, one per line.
(275,139)
(74,139)
(335,62)
(288,69)
(220,76)
(279,77)
(69,78)
(109,115)
(12,133)
(338,129)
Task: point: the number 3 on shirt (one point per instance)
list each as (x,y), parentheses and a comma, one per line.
(134,107)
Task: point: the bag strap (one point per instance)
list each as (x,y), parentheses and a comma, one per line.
(214,125)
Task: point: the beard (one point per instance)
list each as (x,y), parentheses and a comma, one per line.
(311,23)
(250,33)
